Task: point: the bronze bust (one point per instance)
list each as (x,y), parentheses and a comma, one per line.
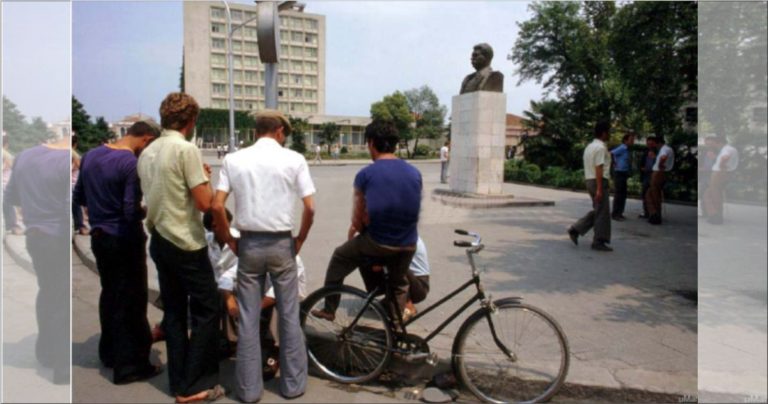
(484,78)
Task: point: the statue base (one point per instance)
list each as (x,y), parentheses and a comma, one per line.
(478,126)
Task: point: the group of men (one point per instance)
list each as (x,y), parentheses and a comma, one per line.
(598,162)
(166,170)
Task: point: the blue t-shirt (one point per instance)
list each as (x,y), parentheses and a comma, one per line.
(621,157)
(109,186)
(392,190)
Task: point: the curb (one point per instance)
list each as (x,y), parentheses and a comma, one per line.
(22,259)
(474,201)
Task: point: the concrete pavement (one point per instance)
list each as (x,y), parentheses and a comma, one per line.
(629,315)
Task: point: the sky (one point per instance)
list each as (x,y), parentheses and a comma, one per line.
(36,58)
(125,62)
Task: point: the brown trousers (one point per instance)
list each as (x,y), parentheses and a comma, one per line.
(713,196)
(655,194)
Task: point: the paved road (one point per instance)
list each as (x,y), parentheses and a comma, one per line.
(626,314)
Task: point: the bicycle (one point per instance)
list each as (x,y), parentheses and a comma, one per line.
(490,354)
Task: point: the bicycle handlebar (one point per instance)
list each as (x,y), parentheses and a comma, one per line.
(475,243)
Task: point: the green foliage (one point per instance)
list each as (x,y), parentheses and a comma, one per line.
(300,128)
(22,134)
(329,134)
(344,150)
(394,108)
(429,115)
(422,150)
(89,134)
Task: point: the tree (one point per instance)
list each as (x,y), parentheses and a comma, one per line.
(215,123)
(394,108)
(22,134)
(556,142)
(300,128)
(329,133)
(429,114)
(89,135)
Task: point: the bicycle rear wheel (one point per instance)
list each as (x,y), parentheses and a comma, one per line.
(342,353)
(537,364)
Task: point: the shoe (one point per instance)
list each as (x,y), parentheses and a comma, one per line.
(574,235)
(323,314)
(600,246)
(654,219)
(642,216)
(150,372)
(619,218)
(212,394)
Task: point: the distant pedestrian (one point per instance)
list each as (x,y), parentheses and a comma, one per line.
(109,186)
(597,161)
(335,152)
(665,162)
(318,150)
(707,157)
(621,156)
(176,188)
(10,217)
(40,185)
(646,169)
(445,156)
(219,150)
(265,180)
(726,163)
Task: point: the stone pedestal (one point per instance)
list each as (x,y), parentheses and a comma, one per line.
(478,125)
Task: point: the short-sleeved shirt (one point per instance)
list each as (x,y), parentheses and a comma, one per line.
(620,155)
(669,163)
(169,168)
(266,180)
(40,184)
(420,262)
(596,154)
(392,190)
(733,158)
(109,186)
(444,153)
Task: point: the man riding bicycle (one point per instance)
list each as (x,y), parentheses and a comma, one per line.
(387,201)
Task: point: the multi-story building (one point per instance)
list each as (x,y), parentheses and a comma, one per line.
(301,77)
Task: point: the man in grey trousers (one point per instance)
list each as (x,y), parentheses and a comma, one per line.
(597,161)
(266,179)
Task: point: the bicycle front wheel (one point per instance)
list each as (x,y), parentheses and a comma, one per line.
(344,352)
(526,361)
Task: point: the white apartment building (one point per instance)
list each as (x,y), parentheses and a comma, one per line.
(301,79)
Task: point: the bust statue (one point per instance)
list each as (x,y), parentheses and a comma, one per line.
(483,79)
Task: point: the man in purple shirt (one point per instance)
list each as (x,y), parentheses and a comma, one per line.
(109,186)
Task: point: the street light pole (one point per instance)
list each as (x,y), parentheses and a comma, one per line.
(231,79)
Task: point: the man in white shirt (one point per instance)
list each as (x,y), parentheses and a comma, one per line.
(597,161)
(444,157)
(266,179)
(727,161)
(665,161)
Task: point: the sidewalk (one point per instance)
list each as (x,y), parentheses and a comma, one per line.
(630,316)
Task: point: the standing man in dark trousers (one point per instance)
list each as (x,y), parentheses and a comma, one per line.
(646,169)
(40,184)
(176,188)
(621,158)
(597,160)
(266,179)
(665,161)
(109,187)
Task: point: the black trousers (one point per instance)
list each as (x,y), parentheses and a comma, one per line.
(187,284)
(620,192)
(50,259)
(126,339)
(418,286)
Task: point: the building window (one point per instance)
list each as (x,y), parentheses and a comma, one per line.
(238,76)
(310,94)
(297,93)
(311,66)
(296,107)
(282,78)
(310,38)
(297,65)
(220,104)
(238,62)
(312,24)
(217,28)
(280,93)
(296,36)
(250,77)
(218,88)
(296,51)
(250,90)
(311,52)
(310,80)
(217,43)
(249,32)
(217,59)
(249,15)
(251,61)
(284,35)
(296,79)
(237,15)
(217,12)
(285,50)
(218,74)
(251,47)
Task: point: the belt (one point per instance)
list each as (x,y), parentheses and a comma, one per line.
(248,233)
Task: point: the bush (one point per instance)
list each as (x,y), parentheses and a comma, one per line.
(422,150)
(531,173)
(344,150)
